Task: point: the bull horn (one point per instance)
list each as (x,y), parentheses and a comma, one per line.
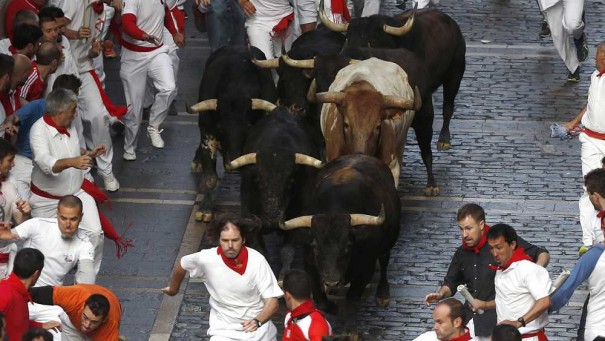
(312,92)
(299,64)
(261,104)
(302,159)
(329,23)
(354,61)
(209,104)
(397,102)
(364,219)
(399,31)
(303,221)
(417,99)
(266,64)
(330,97)
(241,161)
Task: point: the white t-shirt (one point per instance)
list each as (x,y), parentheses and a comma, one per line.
(594,119)
(517,289)
(8,197)
(60,255)
(596,305)
(234,298)
(271,9)
(48,146)
(150,19)
(80,14)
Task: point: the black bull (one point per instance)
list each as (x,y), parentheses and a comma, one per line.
(233,95)
(354,221)
(433,36)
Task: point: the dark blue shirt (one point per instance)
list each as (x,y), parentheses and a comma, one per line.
(28,115)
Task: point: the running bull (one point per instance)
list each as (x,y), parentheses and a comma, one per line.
(354,221)
(233,95)
(369,109)
(278,168)
(432,35)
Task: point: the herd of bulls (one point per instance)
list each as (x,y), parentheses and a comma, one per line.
(346,94)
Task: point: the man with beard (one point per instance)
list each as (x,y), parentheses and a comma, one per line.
(448,317)
(243,290)
(64,248)
(469,266)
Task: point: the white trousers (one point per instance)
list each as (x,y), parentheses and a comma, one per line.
(90,224)
(175,61)
(136,68)
(560,15)
(267,332)
(259,34)
(46,313)
(95,121)
(305,11)
(21,176)
(592,151)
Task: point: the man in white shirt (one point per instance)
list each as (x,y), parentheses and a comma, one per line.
(522,287)
(243,290)
(448,317)
(59,164)
(592,116)
(64,248)
(84,30)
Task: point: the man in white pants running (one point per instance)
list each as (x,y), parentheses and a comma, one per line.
(144,56)
(565,19)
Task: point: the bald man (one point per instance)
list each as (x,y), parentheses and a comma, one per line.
(10,97)
(46,63)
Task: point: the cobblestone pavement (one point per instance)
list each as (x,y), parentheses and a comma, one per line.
(501,157)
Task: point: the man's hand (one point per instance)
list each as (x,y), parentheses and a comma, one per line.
(5,230)
(54,325)
(82,162)
(169,291)
(179,39)
(151,39)
(95,49)
(432,298)
(83,32)
(117,4)
(23,207)
(249,326)
(97,151)
(479,304)
(248,7)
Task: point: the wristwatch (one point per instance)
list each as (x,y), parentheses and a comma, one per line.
(259,323)
(522,321)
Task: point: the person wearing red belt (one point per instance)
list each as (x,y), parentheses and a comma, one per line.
(592,117)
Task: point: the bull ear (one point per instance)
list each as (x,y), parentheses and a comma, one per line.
(333,131)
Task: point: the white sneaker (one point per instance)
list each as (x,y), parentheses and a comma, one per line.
(129,156)
(111,183)
(156,138)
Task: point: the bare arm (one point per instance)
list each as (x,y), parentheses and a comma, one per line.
(435,297)
(178,274)
(576,120)
(543,259)
(270,308)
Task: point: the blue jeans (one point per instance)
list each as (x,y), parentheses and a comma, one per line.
(225,23)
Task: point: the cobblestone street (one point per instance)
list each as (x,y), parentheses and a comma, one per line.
(501,157)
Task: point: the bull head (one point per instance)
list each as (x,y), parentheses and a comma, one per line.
(400,31)
(356,220)
(299,159)
(388,101)
(212,104)
(329,23)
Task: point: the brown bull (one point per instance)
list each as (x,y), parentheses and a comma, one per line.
(369,110)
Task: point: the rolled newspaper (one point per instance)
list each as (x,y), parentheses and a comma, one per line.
(560,280)
(462,289)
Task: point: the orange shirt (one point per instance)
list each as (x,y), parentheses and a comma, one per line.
(72,299)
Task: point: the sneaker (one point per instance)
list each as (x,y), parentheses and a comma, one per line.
(156,138)
(128,156)
(108,51)
(574,77)
(111,183)
(581,48)
(544,30)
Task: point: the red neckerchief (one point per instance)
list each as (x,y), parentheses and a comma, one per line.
(306,308)
(62,130)
(280,30)
(340,7)
(600,73)
(482,241)
(98,7)
(237,264)
(14,282)
(464,337)
(517,256)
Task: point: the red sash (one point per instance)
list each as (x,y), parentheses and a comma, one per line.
(594,134)
(540,334)
(114,110)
